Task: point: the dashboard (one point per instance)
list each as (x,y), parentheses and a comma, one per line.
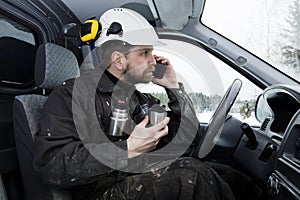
(275,140)
(275,108)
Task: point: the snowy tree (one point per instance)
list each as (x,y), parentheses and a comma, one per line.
(291,35)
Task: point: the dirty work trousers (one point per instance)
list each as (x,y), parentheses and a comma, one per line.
(186,179)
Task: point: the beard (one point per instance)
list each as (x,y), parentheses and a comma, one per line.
(135,75)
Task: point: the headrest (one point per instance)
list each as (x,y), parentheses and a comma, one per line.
(53,65)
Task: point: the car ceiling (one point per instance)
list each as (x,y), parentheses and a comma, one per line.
(167,10)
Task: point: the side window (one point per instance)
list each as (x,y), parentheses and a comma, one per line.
(244,105)
(206,80)
(18,48)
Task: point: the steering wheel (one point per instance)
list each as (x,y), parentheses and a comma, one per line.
(216,123)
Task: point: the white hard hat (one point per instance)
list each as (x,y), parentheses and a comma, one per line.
(128,26)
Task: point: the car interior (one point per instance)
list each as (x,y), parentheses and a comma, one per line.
(41,48)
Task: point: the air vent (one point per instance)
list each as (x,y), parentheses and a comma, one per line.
(265,124)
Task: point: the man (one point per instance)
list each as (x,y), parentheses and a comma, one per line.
(75,147)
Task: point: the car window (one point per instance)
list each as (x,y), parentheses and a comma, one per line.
(269,29)
(18,48)
(206,79)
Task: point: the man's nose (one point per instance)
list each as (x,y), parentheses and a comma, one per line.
(152,60)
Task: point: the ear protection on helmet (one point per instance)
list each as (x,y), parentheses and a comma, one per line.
(90,30)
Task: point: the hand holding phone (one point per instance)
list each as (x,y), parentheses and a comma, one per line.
(160,70)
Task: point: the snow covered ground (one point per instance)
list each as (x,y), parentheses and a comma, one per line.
(205,117)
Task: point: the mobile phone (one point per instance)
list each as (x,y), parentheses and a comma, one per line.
(160,70)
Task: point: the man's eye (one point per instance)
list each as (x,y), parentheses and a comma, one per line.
(145,53)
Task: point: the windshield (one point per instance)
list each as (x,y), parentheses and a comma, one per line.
(270,29)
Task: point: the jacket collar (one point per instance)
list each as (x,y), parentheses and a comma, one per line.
(109,82)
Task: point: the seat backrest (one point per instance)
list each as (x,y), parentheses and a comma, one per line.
(54,64)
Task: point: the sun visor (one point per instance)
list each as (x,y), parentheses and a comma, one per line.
(169,10)
(198,6)
(181,10)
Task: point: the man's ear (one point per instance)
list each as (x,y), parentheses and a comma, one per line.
(117,60)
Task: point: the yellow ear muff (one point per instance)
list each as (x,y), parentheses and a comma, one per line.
(90,30)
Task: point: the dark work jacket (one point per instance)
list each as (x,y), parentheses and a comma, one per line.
(72,148)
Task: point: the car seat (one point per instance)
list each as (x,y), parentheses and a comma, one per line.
(53,65)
